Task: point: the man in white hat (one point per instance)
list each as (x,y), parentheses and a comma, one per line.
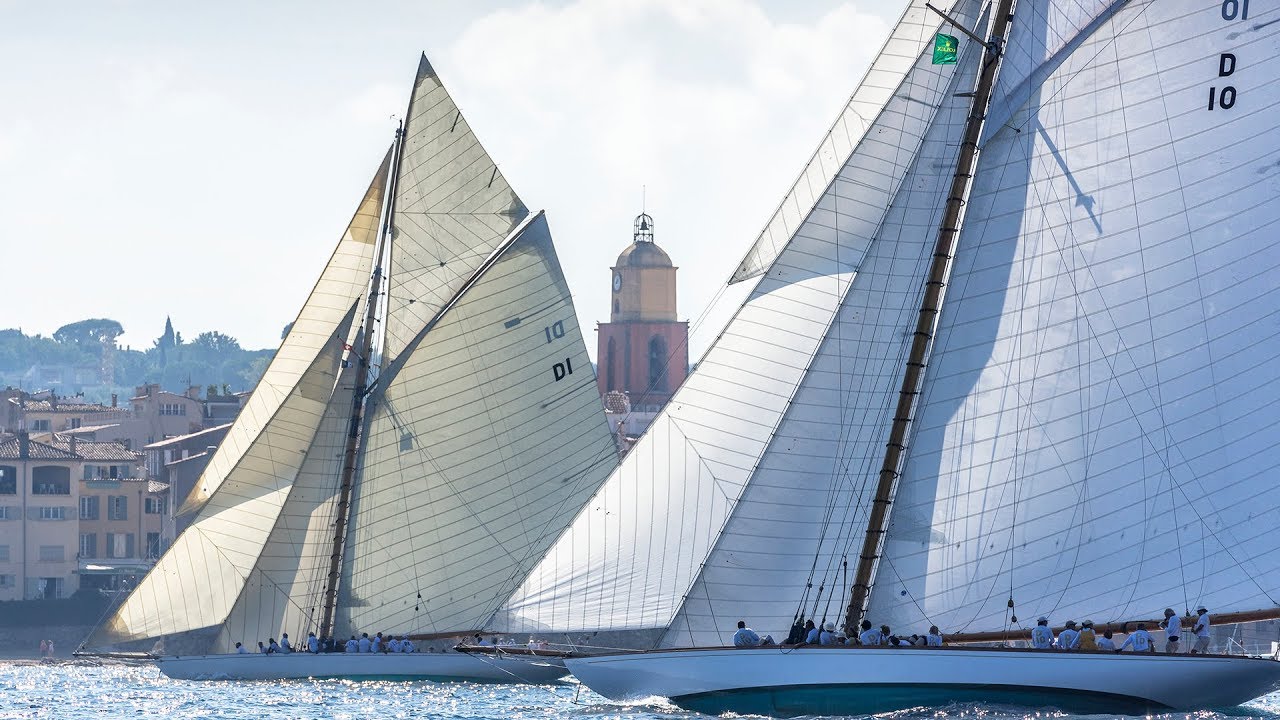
(1041,635)
(1202,632)
(828,634)
(1172,625)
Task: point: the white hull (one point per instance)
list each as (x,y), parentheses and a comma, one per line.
(449,666)
(840,681)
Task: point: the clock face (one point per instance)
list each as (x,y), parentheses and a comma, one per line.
(617,282)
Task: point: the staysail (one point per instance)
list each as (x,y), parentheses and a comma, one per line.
(197,581)
(726,489)
(485,436)
(1091,440)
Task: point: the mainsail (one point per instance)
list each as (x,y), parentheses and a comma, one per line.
(1090,438)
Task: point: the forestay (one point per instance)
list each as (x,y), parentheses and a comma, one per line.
(1096,438)
(485,437)
(645,542)
(196,582)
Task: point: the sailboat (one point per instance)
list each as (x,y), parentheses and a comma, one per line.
(1009,353)
(427,428)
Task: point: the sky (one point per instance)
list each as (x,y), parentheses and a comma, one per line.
(199,160)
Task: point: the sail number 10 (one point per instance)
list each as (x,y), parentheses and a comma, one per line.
(1226,97)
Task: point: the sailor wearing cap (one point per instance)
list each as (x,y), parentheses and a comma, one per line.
(828,634)
(1069,638)
(1041,635)
(1140,639)
(1201,631)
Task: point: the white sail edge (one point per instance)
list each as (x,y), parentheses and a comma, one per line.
(914,31)
(486,437)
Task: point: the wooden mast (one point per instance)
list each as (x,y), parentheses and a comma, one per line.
(356,421)
(927,321)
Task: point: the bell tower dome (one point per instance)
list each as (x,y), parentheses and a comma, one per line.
(643,350)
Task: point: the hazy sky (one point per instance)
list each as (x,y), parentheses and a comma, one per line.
(199,159)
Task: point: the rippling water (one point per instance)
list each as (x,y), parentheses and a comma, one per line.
(83,690)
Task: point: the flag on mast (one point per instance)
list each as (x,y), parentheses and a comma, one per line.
(944,49)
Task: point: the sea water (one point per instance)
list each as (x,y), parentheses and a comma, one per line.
(80,689)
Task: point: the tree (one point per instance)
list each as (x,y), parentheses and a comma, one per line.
(95,333)
(285,332)
(214,343)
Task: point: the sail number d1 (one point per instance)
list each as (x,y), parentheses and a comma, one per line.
(562,370)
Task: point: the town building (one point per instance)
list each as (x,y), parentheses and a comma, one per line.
(178,462)
(643,351)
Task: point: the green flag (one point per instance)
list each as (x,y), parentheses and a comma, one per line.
(944,49)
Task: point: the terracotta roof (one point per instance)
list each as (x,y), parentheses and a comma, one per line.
(616,402)
(98,450)
(62,406)
(83,430)
(36,450)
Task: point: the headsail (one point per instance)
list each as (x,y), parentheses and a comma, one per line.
(194,585)
(702,506)
(1092,440)
(485,436)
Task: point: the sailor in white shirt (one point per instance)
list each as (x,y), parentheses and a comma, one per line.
(313,643)
(393,645)
(241,649)
(406,646)
(365,644)
(1105,642)
(812,633)
(1202,632)
(934,638)
(746,637)
(1041,635)
(870,635)
(285,647)
(1172,625)
(352,645)
(1140,639)
(1069,638)
(828,634)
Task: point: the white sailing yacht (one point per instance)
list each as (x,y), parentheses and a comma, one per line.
(989,371)
(402,465)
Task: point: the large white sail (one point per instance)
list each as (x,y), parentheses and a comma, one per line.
(195,583)
(642,549)
(485,436)
(1096,436)
(452,208)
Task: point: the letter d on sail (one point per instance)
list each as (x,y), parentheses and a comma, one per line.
(563,370)
(1226,64)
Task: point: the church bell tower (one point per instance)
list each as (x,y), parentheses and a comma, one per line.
(643,350)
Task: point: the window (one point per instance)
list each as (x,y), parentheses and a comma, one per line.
(75,423)
(658,363)
(52,513)
(8,480)
(173,409)
(119,545)
(611,362)
(47,588)
(51,480)
(117,507)
(39,426)
(89,507)
(52,553)
(7,581)
(8,512)
(153,545)
(4,553)
(154,505)
(88,545)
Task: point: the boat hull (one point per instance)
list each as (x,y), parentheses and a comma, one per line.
(450,666)
(846,681)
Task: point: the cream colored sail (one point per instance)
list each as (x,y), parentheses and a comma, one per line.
(452,208)
(195,583)
(485,437)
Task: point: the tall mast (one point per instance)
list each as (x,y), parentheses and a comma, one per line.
(349,457)
(927,322)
